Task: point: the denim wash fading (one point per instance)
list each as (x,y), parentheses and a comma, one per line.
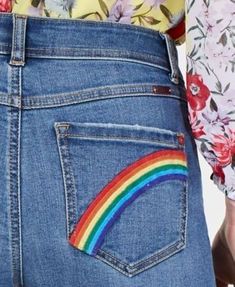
(79,102)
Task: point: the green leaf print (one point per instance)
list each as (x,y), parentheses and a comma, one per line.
(192,28)
(190,5)
(226,88)
(150,20)
(35,3)
(46,12)
(199,22)
(104,7)
(89,14)
(223,39)
(137,7)
(213,105)
(207,3)
(166,12)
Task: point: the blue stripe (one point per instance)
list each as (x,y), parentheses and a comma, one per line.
(129,195)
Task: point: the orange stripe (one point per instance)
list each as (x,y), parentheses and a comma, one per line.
(111,187)
(115,184)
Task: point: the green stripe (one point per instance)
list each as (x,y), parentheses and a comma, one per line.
(126,190)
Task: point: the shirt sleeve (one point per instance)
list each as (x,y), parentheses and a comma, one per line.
(210,81)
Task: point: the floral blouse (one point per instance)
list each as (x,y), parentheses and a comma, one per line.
(208,29)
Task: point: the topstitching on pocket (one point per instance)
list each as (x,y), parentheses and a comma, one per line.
(126,192)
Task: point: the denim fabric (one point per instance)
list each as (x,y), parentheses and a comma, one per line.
(80,103)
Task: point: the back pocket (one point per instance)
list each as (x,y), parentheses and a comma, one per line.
(126,192)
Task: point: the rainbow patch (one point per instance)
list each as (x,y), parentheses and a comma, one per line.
(127,185)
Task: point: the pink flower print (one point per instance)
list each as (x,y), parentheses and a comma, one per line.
(121,12)
(224,147)
(196,125)
(5,5)
(218,172)
(215,121)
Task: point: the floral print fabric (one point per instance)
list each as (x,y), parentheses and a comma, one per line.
(210,52)
(157,14)
(5,6)
(210,43)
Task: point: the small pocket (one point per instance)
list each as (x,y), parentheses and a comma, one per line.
(126,192)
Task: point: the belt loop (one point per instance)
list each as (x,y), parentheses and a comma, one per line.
(173,57)
(18,40)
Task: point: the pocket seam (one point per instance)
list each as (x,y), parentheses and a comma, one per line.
(125,268)
(132,269)
(143,140)
(63,127)
(69,192)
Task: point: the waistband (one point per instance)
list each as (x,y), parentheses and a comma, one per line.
(24,36)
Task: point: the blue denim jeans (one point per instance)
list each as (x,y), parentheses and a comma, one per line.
(100,181)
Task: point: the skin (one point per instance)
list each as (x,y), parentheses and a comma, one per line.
(229,231)
(230,225)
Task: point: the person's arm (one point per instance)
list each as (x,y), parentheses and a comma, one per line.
(210,45)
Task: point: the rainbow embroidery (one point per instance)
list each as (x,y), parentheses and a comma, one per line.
(127,185)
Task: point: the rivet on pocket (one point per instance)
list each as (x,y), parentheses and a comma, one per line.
(181,139)
(124,188)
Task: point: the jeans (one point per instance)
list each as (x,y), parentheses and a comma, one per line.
(100,180)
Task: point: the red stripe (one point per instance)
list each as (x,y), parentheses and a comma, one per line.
(108,187)
(177,31)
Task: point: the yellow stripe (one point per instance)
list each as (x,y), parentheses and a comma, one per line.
(102,209)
